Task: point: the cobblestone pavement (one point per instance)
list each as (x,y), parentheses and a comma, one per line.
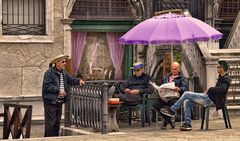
(216,132)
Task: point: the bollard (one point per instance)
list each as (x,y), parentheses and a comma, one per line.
(104,107)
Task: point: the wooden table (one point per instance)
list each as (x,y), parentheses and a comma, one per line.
(112,117)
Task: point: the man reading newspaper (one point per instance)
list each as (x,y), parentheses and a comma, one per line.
(166,91)
(173,84)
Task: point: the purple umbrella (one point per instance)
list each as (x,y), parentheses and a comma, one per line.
(170,29)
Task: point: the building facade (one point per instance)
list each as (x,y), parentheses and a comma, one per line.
(33,32)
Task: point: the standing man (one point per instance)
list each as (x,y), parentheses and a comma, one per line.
(181,84)
(56,83)
(215,95)
(136,86)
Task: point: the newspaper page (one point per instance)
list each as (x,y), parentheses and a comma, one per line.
(166,91)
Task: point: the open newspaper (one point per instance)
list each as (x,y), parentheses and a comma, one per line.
(166,91)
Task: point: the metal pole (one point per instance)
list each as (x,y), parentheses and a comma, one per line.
(104,107)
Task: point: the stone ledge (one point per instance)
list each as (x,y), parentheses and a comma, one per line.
(71,131)
(28,98)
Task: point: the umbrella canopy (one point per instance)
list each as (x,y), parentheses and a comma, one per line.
(170,29)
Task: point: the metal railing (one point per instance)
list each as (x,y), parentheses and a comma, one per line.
(88,105)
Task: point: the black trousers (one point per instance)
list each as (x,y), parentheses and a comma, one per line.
(52,114)
(158,104)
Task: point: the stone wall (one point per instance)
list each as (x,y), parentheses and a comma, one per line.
(23,62)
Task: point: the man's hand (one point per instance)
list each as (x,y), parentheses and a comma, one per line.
(81,82)
(206,91)
(135,91)
(177,89)
(62,93)
(127,91)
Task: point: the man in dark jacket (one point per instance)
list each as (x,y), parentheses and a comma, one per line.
(181,84)
(136,86)
(215,95)
(56,82)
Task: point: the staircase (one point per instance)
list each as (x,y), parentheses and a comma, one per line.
(233,98)
(224,26)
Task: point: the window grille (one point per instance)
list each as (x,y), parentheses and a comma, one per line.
(229,9)
(23,17)
(101,9)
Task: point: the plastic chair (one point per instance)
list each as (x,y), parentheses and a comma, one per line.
(205,117)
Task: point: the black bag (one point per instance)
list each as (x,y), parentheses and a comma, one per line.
(129,99)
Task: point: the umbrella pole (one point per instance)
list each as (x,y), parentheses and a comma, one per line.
(172,53)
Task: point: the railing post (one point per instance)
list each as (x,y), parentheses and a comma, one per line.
(104,107)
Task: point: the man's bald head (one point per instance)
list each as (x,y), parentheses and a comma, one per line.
(175,68)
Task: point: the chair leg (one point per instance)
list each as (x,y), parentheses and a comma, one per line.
(129,116)
(226,118)
(203,117)
(143,116)
(147,116)
(207,117)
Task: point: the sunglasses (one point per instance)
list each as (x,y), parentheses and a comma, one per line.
(63,61)
(136,70)
(219,67)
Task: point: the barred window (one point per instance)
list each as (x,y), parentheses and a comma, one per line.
(101,9)
(23,17)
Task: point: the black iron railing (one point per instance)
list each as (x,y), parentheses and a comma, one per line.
(88,105)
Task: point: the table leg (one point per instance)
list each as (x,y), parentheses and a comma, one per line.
(112,120)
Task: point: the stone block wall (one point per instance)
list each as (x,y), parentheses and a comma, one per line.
(24,61)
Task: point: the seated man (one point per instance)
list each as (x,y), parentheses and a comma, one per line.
(136,86)
(181,84)
(214,94)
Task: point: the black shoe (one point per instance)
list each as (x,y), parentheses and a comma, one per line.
(172,123)
(185,127)
(164,126)
(168,112)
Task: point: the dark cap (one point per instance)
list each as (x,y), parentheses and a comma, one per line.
(223,64)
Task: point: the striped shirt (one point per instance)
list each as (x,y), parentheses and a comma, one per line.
(61,87)
(61,83)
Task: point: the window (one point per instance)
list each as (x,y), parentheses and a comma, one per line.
(23,17)
(101,9)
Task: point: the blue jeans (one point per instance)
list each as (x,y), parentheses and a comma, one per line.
(190,99)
